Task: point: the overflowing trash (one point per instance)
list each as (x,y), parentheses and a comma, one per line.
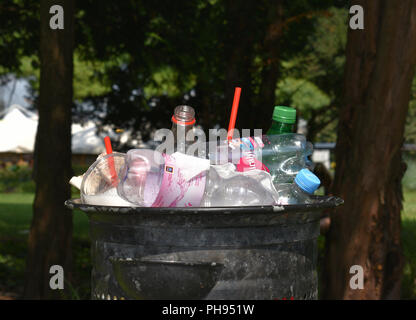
(271,169)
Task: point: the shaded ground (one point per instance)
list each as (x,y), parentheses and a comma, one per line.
(15,218)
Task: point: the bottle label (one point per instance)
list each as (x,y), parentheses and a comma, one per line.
(183,185)
(248,160)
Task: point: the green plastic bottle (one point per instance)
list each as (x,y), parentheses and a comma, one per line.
(284,119)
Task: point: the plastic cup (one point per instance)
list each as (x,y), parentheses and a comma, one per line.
(141,176)
(99,184)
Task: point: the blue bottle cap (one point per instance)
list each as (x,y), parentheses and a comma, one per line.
(307,181)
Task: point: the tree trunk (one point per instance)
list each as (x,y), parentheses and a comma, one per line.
(239,51)
(50,239)
(270,72)
(365,231)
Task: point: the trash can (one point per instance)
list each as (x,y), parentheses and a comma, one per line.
(264,252)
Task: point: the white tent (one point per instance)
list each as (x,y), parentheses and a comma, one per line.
(18,131)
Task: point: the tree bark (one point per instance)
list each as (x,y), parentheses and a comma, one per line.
(254,111)
(50,239)
(366,230)
(239,52)
(270,71)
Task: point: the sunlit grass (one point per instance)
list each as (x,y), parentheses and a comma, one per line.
(16,216)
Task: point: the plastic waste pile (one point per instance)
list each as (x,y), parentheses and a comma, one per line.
(271,169)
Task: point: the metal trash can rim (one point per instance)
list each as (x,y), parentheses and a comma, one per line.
(321,202)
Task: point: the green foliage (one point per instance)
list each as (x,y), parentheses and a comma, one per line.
(151,54)
(16,178)
(312,77)
(302,95)
(19,33)
(87,82)
(87,79)
(163,82)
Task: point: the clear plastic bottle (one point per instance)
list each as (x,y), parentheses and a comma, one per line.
(231,188)
(285,155)
(282,155)
(183,121)
(299,192)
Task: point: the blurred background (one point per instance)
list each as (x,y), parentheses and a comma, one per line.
(119,68)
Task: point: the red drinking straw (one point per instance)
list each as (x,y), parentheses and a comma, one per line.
(109,150)
(234,110)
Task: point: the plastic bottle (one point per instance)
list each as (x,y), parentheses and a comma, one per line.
(152,179)
(282,159)
(300,190)
(282,155)
(183,121)
(285,155)
(226,187)
(283,120)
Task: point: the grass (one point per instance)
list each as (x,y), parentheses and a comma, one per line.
(15,219)
(409,245)
(16,214)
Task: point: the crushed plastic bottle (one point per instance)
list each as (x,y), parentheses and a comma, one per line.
(299,192)
(227,187)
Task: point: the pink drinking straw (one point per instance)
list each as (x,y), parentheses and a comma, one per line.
(109,150)
(234,110)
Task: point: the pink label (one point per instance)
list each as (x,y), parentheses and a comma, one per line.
(249,162)
(175,190)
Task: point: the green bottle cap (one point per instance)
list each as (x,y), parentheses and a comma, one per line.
(284,114)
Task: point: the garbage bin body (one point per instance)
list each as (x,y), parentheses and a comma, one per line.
(264,252)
